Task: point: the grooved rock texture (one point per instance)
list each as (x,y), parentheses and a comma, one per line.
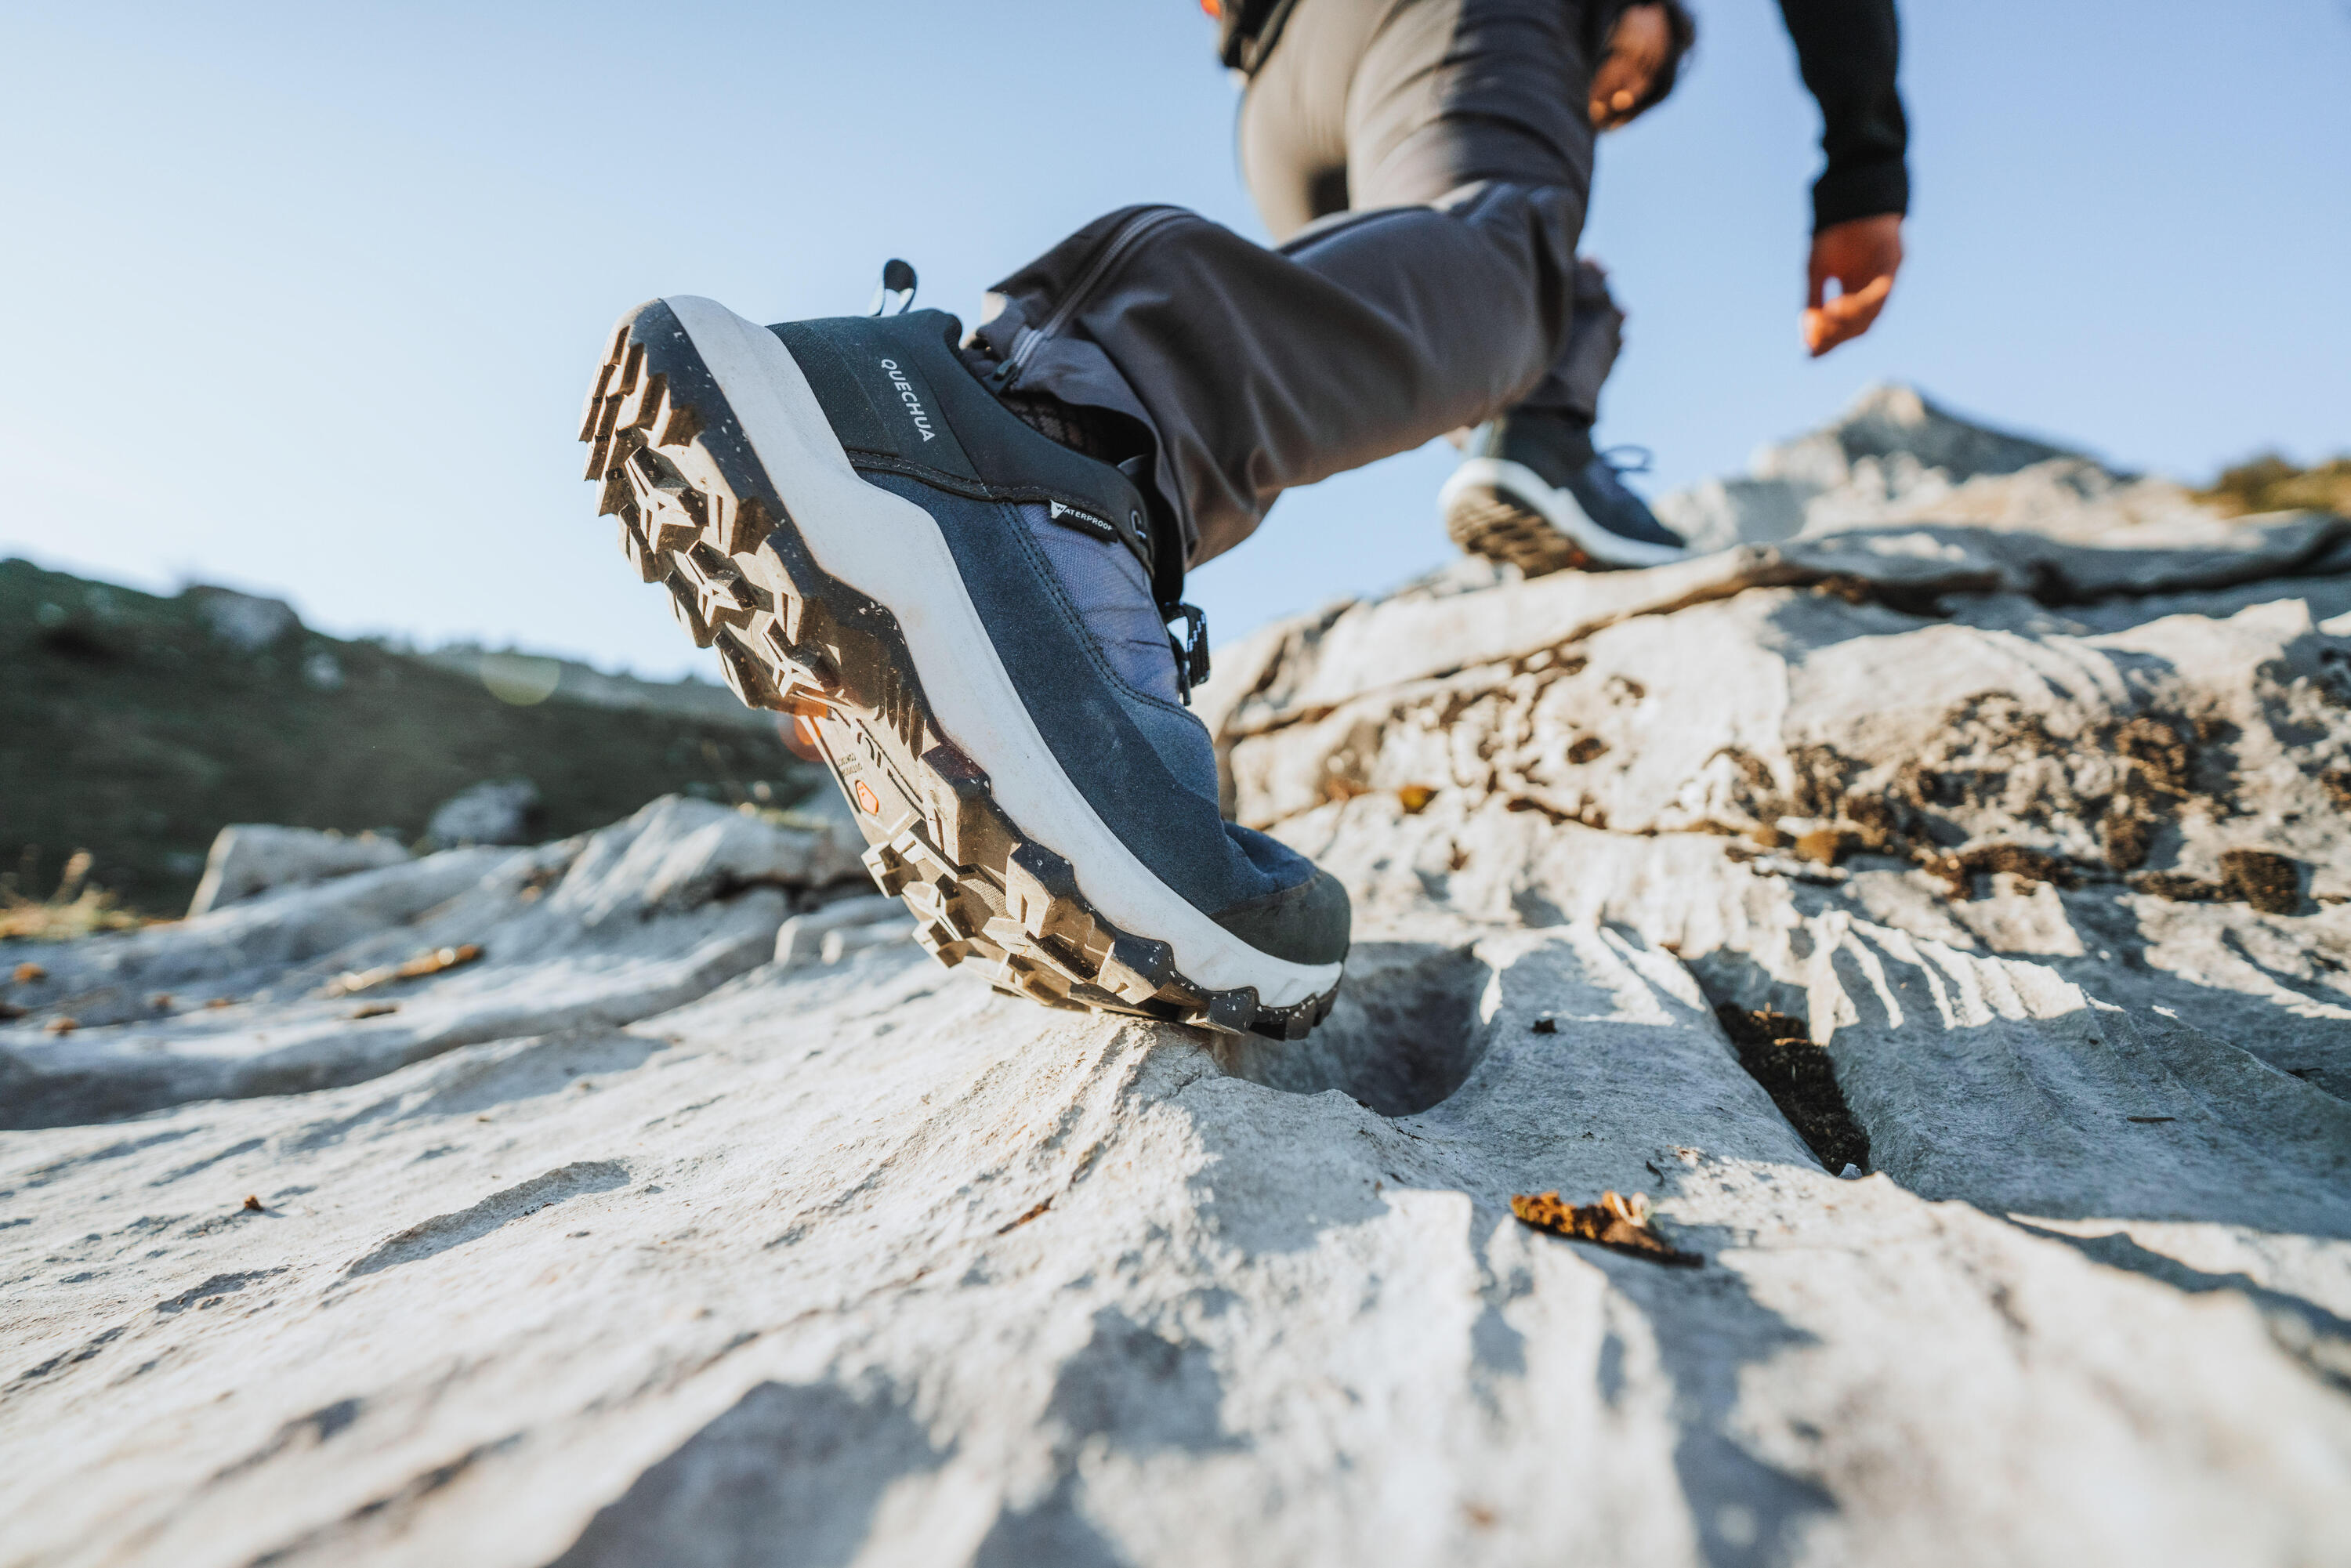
(699,1218)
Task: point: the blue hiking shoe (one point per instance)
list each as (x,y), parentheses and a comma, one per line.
(960,614)
(1534,494)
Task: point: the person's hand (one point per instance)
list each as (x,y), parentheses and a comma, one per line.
(1862,255)
(1629,62)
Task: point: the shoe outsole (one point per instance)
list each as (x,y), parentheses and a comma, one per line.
(699,515)
(1488,522)
(1504,511)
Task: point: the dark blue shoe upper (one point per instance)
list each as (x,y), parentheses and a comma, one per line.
(916,423)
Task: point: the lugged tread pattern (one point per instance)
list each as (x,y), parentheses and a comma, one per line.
(1486,521)
(698,515)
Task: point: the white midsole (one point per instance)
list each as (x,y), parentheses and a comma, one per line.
(892,550)
(1559,508)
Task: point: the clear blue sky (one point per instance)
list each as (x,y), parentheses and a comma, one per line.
(305,295)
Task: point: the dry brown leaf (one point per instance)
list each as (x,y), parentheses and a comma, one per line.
(1824,846)
(27,973)
(1415,798)
(424,963)
(1615,1221)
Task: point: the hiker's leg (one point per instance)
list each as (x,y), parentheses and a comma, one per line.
(1367,333)
(1297,134)
(1293,122)
(1532,491)
(1594,338)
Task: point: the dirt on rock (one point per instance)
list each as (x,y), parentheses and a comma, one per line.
(1778,1052)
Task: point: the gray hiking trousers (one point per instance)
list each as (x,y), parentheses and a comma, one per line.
(1427,164)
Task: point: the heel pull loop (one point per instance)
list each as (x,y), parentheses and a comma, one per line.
(1191,650)
(897,286)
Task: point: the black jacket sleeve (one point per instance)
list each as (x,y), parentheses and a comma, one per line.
(1847,50)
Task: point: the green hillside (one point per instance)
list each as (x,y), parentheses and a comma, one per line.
(133,727)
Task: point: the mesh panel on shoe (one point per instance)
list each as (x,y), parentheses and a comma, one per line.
(1106,583)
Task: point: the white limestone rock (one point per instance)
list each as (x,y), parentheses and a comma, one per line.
(827,934)
(596,931)
(881,1266)
(494,811)
(641,1238)
(249,858)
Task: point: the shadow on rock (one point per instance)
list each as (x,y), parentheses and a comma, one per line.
(1709,1330)
(444,1231)
(1999,1083)
(2304,1330)
(1133,1390)
(791,1473)
(1401,1038)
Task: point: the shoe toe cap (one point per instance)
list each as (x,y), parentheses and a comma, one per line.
(1308,922)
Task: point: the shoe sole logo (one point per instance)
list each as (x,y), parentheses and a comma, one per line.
(911,399)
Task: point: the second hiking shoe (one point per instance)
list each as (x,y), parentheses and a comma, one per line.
(948,602)
(1534,494)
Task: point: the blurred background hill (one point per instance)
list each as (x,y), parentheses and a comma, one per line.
(134,727)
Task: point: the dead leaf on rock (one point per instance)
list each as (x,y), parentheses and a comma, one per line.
(1824,846)
(62,1026)
(416,969)
(253,1202)
(1415,798)
(28,973)
(1033,1213)
(2270,882)
(1615,1221)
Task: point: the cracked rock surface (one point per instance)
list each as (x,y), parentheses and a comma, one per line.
(2006,797)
